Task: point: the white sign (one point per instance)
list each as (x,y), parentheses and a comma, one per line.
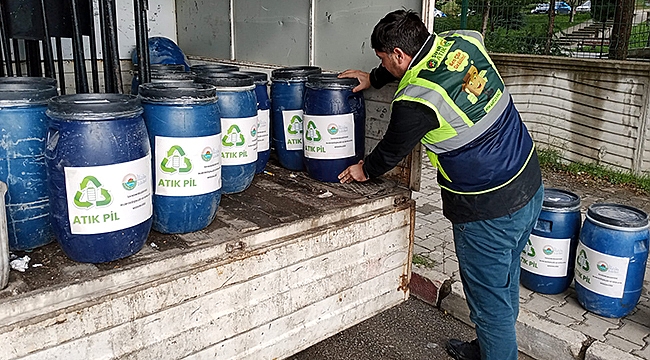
(108,198)
(329,136)
(601,273)
(239,140)
(188,166)
(292,121)
(263,138)
(546,256)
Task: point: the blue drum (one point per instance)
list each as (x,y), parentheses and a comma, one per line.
(159,71)
(611,259)
(263,118)
(184,131)
(238,108)
(548,259)
(334,126)
(99,175)
(22,163)
(287,95)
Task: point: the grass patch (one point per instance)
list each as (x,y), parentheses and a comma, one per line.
(423,261)
(551,160)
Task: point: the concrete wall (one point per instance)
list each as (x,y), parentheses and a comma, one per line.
(592,111)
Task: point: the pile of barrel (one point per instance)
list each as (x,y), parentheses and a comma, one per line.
(97,172)
(606,253)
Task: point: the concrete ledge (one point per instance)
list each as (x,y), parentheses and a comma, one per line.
(600,351)
(428,285)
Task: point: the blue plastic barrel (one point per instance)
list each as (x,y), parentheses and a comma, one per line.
(99,175)
(162,72)
(334,126)
(23,124)
(263,118)
(611,259)
(287,95)
(238,108)
(548,259)
(184,131)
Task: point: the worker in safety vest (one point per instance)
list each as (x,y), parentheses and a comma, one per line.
(452,99)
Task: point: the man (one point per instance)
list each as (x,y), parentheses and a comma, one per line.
(452,99)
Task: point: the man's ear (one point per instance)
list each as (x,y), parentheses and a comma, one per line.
(401,55)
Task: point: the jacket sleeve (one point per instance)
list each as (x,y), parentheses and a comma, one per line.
(379,77)
(409,122)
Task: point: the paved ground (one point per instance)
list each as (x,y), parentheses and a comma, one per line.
(550,326)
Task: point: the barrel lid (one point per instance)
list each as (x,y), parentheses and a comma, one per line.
(213,68)
(21,92)
(258,76)
(226,79)
(163,67)
(191,92)
(27,80)
(295,72)
(560,199)
(618,215)
(94,106)
(331,81)
(172,75)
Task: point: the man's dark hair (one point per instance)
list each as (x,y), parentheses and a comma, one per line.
(402,29)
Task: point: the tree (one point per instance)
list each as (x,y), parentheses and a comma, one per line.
(620,38)
(573,4)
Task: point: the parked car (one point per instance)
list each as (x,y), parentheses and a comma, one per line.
(586,7)
(560,8)
(438,13)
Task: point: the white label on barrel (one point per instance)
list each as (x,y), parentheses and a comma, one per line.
(329,136)
(239,140)
(292,120)
(601,273)
(263,130)
(546,256)
(108,198)
(188,166)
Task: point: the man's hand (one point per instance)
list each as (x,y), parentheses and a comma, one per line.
(353,172)
(362,76)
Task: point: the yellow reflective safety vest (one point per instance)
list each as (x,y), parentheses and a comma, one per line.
(481,144)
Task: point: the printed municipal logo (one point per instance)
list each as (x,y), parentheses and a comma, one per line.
(312,133)
(234,137)
(582,260)
(432,64)
(548,250)
(254,131)
(176,161)
(529,249)
(130,181)
(207,154)
(602,266)
(91,193)
(332,129)
(295,126)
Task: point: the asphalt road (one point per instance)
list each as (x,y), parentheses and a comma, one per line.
(412,330)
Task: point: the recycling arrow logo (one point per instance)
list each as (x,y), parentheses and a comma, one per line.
(312,133)
(529,249)
(87,196)
(234,137)
(582,260)
(174,160)
(295,126)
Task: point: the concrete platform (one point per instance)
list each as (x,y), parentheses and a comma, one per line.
(553,327)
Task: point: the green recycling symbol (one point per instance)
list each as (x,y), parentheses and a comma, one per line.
(234,137)
(312,133)
(295,126)
(91,194)
(174,155)
(582,260)
(529,249)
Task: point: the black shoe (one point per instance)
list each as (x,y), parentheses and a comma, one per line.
(463,350)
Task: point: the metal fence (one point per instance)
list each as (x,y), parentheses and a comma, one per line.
(614,29)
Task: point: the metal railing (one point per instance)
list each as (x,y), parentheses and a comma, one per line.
(614,29)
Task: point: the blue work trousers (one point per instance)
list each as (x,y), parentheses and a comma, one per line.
(489,260)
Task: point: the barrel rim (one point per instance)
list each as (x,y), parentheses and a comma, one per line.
(260,78)
(15,94)
(294,73)
(212,67)
(95,106)
(561,206)
(226,80)
(180,92)
(626,225)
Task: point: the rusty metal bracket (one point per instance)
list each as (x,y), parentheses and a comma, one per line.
(237,245)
